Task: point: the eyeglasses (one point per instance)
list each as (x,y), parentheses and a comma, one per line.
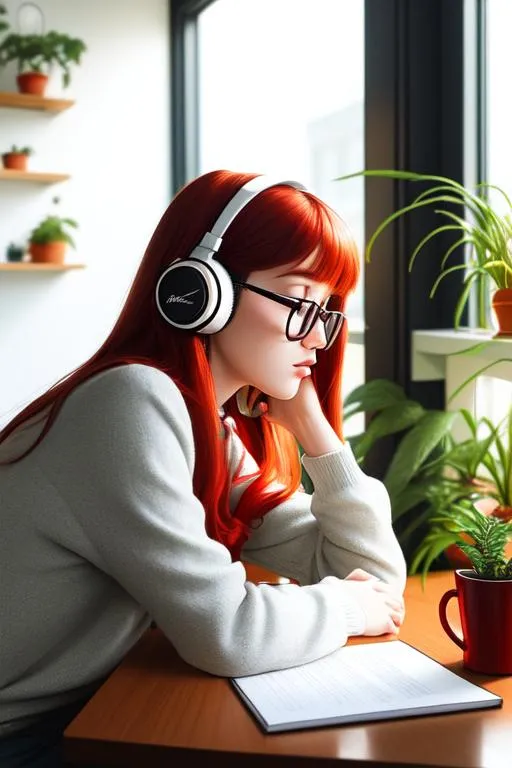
(303,316)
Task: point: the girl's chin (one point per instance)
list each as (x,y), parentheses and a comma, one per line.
(288,393)
(288,388)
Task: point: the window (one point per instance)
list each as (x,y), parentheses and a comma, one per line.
(488,395)
(499,157)
(493,392)
(281,91)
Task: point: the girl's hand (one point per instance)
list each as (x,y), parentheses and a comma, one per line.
(304,418)
(384,610)
(292,413)
(358,574)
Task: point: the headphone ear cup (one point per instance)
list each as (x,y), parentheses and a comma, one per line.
(196,294)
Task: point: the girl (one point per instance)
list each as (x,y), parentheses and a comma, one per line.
(136,488)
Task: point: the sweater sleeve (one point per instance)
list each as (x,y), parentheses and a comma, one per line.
(123,458)
(344,524)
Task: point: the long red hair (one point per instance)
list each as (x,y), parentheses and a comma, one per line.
(279,226)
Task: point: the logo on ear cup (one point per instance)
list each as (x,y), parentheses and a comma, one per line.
(182,295)
(181,299)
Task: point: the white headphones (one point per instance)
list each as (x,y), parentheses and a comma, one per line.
(197,293)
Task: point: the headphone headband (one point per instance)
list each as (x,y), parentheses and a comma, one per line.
(197,293)
(212,240)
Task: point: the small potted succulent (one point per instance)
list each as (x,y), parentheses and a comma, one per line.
(49,240)
(483,591)
(16,158)
(36,54)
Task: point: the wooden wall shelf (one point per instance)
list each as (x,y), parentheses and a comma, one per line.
(27,266)
(6,174)
(27,101)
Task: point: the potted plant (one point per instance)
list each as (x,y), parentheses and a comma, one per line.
(486,233)
(35,54)
(49,240)
(15,252)
(483,591)
(17,158)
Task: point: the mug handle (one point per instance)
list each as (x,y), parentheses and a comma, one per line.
(444,621)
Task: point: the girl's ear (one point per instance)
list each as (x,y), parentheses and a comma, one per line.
(251,402)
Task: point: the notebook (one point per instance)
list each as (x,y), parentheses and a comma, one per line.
(357,684)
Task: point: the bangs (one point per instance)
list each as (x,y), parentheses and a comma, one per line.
(334,250)
(284,226)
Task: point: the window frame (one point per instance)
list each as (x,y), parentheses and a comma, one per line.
(183,16)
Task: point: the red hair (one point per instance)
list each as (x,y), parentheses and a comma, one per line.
(279,226)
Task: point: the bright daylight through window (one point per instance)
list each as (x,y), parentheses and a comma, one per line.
(294,108)
(494,395)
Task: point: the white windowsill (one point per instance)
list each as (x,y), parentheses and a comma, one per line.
(438,355)
(451,356)
(431,349)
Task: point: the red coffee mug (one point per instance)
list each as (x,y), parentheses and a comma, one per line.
(485,607)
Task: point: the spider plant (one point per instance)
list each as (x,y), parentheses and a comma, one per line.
(478,227)
(487,457)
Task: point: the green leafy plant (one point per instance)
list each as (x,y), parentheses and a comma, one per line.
(417,466)
(53,228)
(37,53)
(481,537)
(486,234)
(484,460)
(487,455)
(431,472)
(14,150)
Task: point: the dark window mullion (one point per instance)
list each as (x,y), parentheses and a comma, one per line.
(417,78)
(184,90)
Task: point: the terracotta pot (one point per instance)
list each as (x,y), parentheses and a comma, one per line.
(15,161)
(48,253)
(32,82)
(455,556)
(502,306)
(485,607)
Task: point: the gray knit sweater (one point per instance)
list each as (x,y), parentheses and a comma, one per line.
(100,532)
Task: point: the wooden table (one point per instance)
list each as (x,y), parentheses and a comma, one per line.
(155,710)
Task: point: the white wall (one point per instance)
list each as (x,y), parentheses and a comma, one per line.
(115,142)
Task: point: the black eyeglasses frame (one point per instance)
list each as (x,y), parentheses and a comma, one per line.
(294,304)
